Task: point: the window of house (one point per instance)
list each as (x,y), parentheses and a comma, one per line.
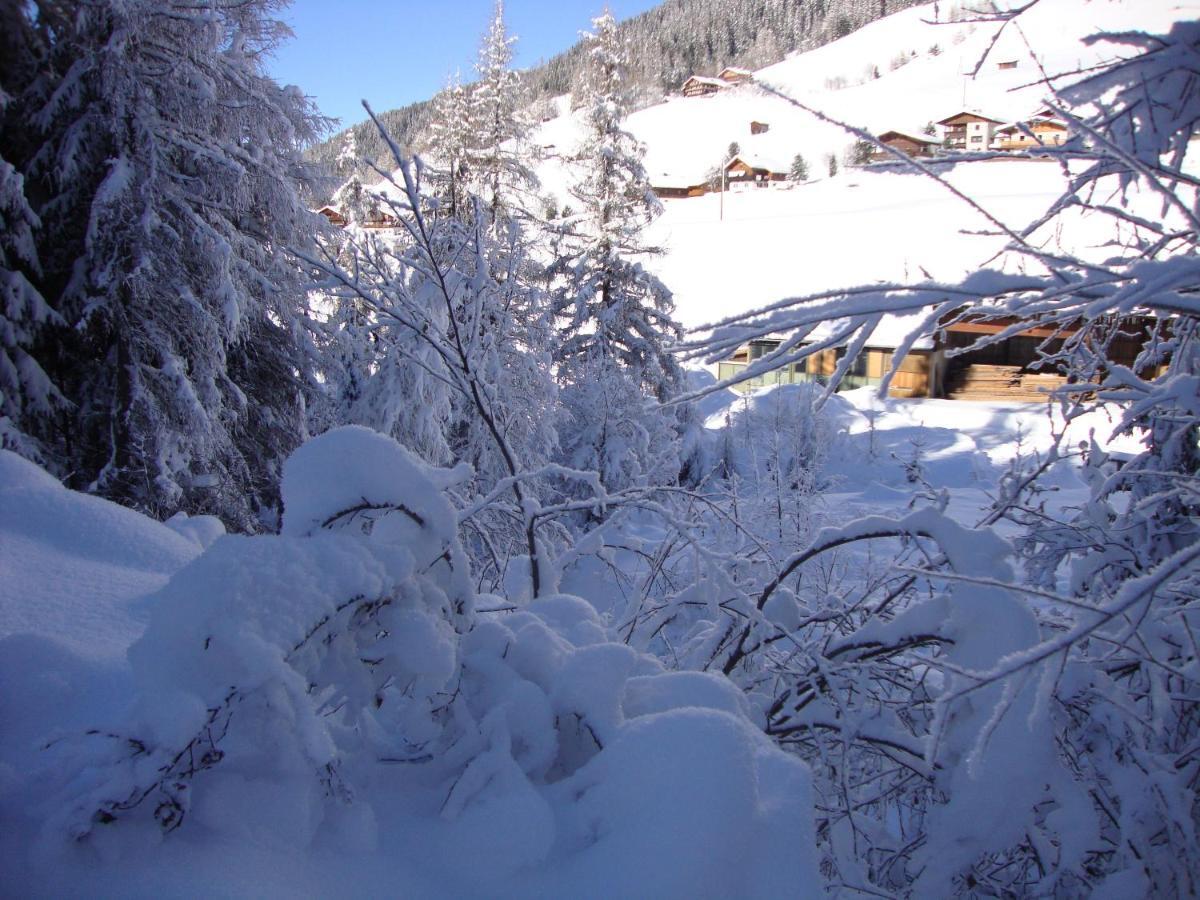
(859,366)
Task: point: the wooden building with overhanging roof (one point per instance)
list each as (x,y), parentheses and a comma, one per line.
(1045,128)
(734,75)
(1005,370)
(334,215)
(748,168)
(907,143)
(702,86)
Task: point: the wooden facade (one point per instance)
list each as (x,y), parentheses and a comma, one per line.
(740,172)
(759,127)
(702,86)
(734,75)
(334,216)
(1036,132)
(677,192)
(1005,371)
(868,369)
(908,144)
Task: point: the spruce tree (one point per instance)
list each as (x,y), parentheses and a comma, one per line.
(499,175)
(449,143)
(799,169)
(28,396)
(172,166)
(615,317)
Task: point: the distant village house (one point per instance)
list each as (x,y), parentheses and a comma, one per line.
(759,128)
(734,75)
(908,144)
(969,131)
(746,170)
(1045,129)
(702,86)
(334,216)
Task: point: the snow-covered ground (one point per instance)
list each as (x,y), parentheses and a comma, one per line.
(585,768)
(81,580)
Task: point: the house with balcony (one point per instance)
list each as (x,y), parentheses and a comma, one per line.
(751,169)
(702,86)
(968,131)
(1044,129)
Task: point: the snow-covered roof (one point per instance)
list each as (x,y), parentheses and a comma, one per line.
(973,113)
(676,179)
(918,138)
(757,159)
(705,79)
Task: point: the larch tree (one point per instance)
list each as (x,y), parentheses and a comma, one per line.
(172,164)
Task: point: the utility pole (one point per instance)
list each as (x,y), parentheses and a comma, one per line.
(724,183)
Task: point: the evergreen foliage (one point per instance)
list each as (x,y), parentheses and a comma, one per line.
(167,166)
(615,316)
(799,170)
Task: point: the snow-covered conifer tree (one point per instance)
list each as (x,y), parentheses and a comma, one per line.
(28,397)
(498,173)
(615,316)
(173,165)
(450,141)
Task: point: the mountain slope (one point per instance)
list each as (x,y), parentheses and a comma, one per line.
(676,39)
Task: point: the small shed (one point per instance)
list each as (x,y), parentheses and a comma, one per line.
(759,127)
(702,86)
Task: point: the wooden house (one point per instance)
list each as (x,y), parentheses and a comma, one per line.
(759,128)
(908,144)
(702,86)
(678,191)
(1005,64)
(969,131)
(1045,129)
(1034,133)
(734,75)
(868,369)
(749,169)
(382,220)
(1004,371)
(334,216)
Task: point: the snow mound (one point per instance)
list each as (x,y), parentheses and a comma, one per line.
(333,687)
(70,564)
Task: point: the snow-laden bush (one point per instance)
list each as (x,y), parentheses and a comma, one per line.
(284,683)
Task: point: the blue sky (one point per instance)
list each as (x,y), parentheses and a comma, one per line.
(392,52)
